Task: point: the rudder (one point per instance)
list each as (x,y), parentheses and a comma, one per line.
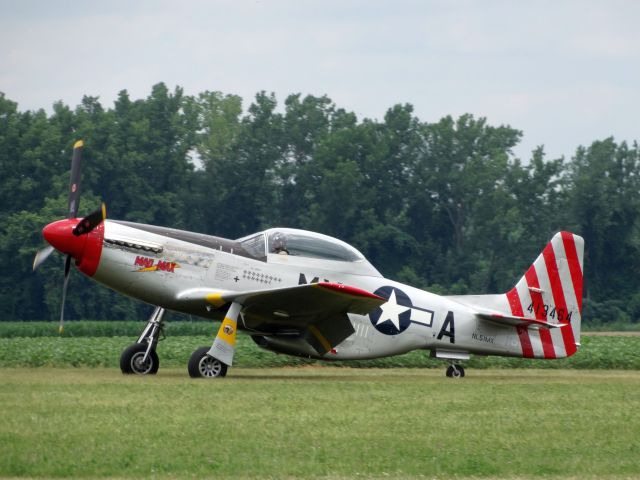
(551,291)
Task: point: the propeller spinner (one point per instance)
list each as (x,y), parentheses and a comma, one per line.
(80,240)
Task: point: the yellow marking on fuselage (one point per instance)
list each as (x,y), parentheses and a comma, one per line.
(148,269)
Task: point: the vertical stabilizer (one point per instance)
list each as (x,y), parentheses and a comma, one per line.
(551,291)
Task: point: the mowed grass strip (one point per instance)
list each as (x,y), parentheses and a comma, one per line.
(310,422)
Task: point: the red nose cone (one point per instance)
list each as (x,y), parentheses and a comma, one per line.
(86,249)
(60,236)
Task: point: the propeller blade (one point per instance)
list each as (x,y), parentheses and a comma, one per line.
(41,256)
(91,221)
(76,176)
(67,268)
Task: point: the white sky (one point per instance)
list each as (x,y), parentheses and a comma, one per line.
(564,72)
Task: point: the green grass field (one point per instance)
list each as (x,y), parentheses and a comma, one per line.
(320,422)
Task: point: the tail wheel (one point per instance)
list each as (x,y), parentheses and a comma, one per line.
(132,360)
(455,371)
(203,365)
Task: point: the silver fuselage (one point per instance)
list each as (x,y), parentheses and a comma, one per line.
(158,265)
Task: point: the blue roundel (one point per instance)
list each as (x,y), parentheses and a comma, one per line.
(393,317)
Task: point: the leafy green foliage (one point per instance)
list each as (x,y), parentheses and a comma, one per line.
(86,328)
(101,343)
(443,205)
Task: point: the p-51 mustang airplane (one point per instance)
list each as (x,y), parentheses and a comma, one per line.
(310,295)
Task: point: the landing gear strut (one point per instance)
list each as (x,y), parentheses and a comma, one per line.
(212,362)
(455,371)
(141,357)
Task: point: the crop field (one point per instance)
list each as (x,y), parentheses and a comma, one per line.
(320,422)
(99,344)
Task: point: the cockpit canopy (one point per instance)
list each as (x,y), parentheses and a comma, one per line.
(305,246)
(288,241)
(310,245)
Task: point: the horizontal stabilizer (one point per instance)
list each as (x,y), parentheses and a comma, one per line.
(503,319)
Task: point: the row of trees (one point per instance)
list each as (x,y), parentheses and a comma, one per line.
(445,206)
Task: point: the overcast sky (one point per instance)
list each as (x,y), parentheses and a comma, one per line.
(564,72)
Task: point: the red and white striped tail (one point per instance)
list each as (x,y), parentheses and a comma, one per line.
(551,291)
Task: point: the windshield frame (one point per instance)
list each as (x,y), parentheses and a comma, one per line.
(254,245)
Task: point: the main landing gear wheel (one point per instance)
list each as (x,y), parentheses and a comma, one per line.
(202,365)
(132,360)
(455,371)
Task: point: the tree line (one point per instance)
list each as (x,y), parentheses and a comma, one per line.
(444,206)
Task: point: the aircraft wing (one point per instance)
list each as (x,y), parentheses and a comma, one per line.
(318,310)
(308,300)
